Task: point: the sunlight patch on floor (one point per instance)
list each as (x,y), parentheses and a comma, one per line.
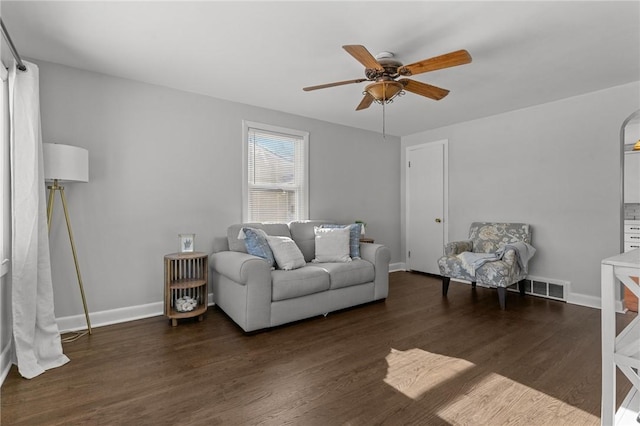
(414,372)
(474,395)
(496,396)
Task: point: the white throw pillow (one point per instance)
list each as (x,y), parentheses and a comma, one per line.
(287,254)
(332,244)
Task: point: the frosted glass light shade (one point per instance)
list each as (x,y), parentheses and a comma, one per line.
(65,163)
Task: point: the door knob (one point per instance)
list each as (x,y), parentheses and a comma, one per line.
(438,220)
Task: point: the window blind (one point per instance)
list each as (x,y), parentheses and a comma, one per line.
(276,165)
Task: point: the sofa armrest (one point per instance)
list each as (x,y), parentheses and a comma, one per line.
(456,247)
(239,267)
(380,256)
(242,288)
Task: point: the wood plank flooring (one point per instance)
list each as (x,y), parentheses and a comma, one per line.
(414,359)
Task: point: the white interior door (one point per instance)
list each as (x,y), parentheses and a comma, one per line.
(426,183)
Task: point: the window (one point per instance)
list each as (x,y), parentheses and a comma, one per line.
(275,174)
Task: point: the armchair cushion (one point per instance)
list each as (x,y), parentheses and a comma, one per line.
(488,237)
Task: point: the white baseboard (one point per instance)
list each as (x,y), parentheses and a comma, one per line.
(396,267)
(573,298)
(6,360)
(591,301)
(114,316)
(131,313)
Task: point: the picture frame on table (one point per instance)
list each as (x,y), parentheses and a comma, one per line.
(187,242)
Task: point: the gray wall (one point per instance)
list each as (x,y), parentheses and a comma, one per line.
(164,162)
(555,166)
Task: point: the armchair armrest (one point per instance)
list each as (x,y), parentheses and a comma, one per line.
(456,247)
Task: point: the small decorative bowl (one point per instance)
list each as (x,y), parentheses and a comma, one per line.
(185,304)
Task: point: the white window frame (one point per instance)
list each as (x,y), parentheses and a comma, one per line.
(303,207)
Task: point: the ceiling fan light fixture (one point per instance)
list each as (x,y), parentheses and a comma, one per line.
(384,91)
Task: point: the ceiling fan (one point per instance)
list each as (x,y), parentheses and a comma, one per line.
(383,70)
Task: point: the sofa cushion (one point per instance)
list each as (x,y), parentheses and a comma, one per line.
(286,253)
(277,229)
(347,274)
(257,244)
(235,244)
(303,234)
(332,244)
(355,232)
(299,282)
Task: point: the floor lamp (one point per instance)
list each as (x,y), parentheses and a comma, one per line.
(65,163)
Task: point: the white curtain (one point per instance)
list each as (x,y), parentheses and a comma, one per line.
(36,336)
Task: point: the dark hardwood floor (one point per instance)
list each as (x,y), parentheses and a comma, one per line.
(414,359)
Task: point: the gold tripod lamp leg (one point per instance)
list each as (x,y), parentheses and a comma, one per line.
(52,189)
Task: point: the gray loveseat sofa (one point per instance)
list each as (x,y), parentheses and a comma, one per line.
(257,297)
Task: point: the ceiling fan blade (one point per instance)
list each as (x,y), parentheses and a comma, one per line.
(459,57)
(424,89)
(363,56)
(365,102)
(337,83)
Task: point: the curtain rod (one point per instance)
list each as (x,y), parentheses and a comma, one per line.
(12,48)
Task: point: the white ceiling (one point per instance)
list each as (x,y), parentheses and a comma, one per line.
(262,53)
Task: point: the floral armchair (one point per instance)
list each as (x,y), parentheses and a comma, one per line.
(496,255)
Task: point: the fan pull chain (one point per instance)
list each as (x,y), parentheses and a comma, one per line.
(384,101)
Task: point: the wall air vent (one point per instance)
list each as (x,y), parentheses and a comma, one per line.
(545,287)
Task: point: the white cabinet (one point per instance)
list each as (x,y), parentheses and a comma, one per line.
(632,177)
(631,235)
(621,351)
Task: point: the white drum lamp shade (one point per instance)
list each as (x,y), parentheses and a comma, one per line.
(65,163)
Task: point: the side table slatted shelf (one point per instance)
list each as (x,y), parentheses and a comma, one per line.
(186,276)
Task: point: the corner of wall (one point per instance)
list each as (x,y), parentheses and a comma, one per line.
(397,267)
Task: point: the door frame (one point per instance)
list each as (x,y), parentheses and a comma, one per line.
(445,172)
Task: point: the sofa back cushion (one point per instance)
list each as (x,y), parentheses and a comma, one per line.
(275,229)
(488,237)
(302,232)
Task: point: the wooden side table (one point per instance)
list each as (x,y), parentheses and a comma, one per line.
(186,277)
(366,240)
